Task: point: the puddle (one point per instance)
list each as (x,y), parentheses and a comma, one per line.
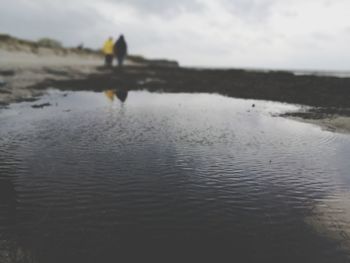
(95,176)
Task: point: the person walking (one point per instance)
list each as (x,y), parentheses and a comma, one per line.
(108,52)
(120,50)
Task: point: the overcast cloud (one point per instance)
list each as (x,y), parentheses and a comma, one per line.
(285,34)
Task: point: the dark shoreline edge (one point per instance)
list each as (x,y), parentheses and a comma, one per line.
(316,91)
(326,97)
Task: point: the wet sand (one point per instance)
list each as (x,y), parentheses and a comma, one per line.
(16,83)
(332,217)
(326,98)
(21,70)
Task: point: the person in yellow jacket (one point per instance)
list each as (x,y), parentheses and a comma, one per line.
(108,51)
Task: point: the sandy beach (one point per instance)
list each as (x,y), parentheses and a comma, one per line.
(24,65)
(22,68)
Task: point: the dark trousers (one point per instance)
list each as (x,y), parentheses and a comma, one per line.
(108,60)
(120,60)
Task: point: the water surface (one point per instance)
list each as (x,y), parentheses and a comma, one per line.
(166,177)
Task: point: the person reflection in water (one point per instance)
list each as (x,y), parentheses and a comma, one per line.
(8,203)
(110,94)
(121,94)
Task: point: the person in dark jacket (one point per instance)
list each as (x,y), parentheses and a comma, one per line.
(120,50)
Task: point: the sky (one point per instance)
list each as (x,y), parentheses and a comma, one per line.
(271,34)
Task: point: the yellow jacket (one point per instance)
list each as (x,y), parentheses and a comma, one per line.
(108,47)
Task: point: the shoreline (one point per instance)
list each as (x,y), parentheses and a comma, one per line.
(23,83)
(331,219)
(323,99)
(29,82)
(335,123)
(16,85)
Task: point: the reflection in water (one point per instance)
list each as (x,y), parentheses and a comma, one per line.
(110,94)
(121,94)
(186,176)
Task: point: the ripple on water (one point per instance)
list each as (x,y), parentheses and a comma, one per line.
(195,173)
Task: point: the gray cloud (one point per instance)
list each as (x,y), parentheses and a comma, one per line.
(253,33)
(161,7)
(71,23)
(250,10)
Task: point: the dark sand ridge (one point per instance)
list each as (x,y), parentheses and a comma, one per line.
(330,93)
(329,97)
